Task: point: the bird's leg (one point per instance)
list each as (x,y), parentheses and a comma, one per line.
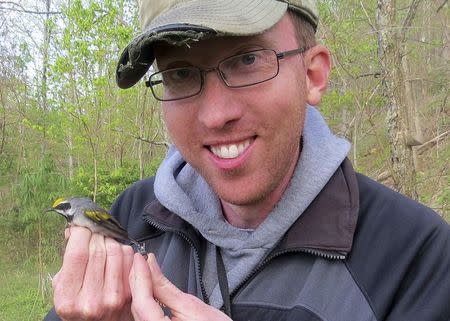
(141,250)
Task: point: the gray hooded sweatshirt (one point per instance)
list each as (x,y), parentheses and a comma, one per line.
(187,194)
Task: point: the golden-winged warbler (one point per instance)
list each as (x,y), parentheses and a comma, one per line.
(82,211)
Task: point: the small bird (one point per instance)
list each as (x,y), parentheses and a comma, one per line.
(82,211)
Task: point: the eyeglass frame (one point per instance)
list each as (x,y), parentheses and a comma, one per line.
(202,72)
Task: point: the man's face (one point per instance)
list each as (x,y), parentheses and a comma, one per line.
(262,122)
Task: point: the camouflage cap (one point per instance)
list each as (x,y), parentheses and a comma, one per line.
(182,21)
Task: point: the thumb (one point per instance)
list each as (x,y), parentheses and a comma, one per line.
(163,289)
(143,303)
(183,306)
(167,293)
(54,279)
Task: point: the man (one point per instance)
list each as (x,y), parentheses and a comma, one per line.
(256,213)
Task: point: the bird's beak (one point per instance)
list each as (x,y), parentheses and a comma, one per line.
(49,210)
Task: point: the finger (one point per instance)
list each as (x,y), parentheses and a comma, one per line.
(75,260)
(55,279)
(128,253)
(183,306)
(90,302)
(113,284)
(165,291)
(95,270)
(66,234)
(143,303)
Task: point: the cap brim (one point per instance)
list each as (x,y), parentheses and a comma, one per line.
(192,21)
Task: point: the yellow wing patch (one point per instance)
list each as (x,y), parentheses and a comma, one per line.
(58,201)
(97,215)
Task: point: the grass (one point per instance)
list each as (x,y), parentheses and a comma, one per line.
(20,296)
(25,293)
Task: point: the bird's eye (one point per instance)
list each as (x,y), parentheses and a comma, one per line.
(63,206)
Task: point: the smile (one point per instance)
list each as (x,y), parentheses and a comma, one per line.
(230,150)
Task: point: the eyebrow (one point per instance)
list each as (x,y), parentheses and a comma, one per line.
(236,50)
(175,64)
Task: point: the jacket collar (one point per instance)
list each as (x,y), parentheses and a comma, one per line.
(326,226)
(329,222)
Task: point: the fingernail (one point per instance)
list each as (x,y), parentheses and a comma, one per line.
(152,263)
(150,259)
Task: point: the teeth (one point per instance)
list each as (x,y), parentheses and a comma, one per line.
(233,151)
(230,151)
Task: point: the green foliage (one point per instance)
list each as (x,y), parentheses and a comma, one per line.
(34,193)
(152,166)
(40,183)
(7,165)
(444,197)
(86,119)
(111,183)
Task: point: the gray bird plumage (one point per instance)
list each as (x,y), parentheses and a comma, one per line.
(82,211)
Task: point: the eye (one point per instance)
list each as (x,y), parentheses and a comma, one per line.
(182,73)
(179,74)
(248,59)
(243,63)
(63,206)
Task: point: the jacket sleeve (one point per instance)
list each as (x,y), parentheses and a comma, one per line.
(424,293)
(400,257)
(52,316)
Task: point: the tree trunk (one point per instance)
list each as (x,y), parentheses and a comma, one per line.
(94,197)
(392,50)
(70,143)
(44,85)
(45,50)
(355,141)
(141,122)
(3,122)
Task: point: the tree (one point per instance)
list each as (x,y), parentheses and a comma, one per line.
(400,117)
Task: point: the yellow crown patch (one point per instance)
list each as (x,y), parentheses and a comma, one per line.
(58,201)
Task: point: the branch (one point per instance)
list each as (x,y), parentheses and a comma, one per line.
(374,74)
(22,9)
(384,176)
(374,28)
(409,18)
(441,6)
(152,142)
(146,140)
(426,146)
(86,129)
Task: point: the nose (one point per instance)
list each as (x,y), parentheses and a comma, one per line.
(218,104)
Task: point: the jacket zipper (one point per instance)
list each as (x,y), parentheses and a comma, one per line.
(260,266)
(192,245)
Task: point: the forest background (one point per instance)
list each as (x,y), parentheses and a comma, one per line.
(66,129)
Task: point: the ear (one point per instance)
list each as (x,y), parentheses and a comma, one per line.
(318,65)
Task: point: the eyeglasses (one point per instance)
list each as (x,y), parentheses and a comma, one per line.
(243,70)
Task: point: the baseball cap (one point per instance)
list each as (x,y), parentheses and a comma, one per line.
(181,22)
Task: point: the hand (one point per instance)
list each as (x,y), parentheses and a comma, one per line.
(148,283)
(92,283)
